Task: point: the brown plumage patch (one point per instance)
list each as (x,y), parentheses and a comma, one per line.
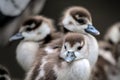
(49,72)
(37,63)
(48,67)
(73,38)
(35,71)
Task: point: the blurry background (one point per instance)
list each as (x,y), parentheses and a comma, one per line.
(104,14)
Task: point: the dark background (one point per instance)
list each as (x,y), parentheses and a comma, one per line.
(104,14)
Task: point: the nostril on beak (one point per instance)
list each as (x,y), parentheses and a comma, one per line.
(70,53)
(70,56)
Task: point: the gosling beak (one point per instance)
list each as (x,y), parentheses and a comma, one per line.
(92,30)
(16,37)
(70,56)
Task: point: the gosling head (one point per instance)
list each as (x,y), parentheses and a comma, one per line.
(78,19)
(74,47)
(106,52)
(113,34)
(35,28)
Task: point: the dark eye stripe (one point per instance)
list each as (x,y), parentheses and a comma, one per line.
(111,42)
(30,22)
(107,49)
(79,47)
(78,16)
(29,29)
(79,19)
(65,47)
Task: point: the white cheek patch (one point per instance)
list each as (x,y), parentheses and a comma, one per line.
(78,55)
(44,29)
(66,24)
(66,20)
(81,27)
(29,35)
(70,28)
(81,54)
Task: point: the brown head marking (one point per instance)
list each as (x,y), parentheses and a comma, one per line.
(73,38)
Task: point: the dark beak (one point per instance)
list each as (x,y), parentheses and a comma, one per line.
(92,30)
(16,37)
(70,56)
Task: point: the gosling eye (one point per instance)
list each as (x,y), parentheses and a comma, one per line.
(81,21)
(28,29)
(107,49)
(79,48)
(65,47)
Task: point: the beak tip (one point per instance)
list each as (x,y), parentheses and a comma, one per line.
(91,29)
(98,33)
(16,37)
(10,40)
